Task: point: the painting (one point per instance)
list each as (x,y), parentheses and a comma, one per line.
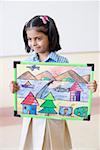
(53,90)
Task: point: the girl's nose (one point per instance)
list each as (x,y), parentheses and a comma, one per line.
(34,43)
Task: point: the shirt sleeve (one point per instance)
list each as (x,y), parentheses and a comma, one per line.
(62,59)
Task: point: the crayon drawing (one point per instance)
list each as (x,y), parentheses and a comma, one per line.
(49,90)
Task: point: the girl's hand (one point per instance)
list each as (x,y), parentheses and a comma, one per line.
(92,86)
(14,87)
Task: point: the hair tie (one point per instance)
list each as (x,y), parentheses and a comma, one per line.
(44,19)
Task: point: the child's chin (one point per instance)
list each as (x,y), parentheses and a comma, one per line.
(37,50)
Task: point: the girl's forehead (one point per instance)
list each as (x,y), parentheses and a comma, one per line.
(33,31)
(37,29)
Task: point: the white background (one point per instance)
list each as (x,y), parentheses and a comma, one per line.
(77,23)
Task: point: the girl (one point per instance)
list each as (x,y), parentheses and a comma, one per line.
(41,37)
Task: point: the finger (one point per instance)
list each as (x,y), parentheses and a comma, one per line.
(93,90)
(14,87)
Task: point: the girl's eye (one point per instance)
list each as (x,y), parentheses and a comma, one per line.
(29,39)
(39,39)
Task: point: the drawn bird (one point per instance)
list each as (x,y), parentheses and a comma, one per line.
(33,67)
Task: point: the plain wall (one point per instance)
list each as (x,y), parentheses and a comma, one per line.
(77,23)
(85,135)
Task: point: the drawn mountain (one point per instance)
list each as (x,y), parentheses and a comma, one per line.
(86,77)
(45,75)
(28,83)
(71,74)
(27,76)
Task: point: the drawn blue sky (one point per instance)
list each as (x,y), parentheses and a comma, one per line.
(83,70)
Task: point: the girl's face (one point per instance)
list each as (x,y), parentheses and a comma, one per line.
(37,41)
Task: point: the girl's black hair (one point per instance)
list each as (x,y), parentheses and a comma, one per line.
(49,28)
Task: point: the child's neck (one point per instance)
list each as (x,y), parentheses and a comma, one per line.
(43,56)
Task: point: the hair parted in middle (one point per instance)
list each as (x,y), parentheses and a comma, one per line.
(46,25)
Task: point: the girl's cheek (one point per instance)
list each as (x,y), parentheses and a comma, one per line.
(29,44)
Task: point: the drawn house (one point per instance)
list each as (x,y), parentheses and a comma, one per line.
(75,92)
(29,104)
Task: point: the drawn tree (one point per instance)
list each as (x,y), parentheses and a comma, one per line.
(48,105)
